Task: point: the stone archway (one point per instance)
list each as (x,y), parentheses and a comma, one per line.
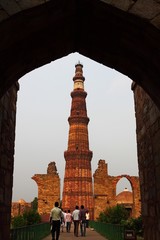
(134,181)
(105,190)
(124,36)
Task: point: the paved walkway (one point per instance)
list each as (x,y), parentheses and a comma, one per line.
(90,235)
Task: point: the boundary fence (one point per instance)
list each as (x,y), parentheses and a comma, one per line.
(110,231)
(31,232)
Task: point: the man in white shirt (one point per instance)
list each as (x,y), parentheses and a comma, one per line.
(55,221)
(75,216)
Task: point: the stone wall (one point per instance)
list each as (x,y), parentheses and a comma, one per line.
(7,138)
(48,189)
(150,10)
(105,190)
(20,207)
(148,144)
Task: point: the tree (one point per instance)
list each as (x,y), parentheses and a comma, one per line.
(34,204)
(28,218)
(31,217)
(18,221)
(135,224)
(119,215)
(114,214)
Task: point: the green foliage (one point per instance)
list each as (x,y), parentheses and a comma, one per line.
(119,215)
(32,217)
(103,217)
(113,215)
(18,221)
(135,224)
(34,204)
(28,218)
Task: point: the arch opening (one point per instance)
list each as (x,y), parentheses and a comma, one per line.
(49,117)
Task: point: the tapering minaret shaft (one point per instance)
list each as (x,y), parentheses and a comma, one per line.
(77,188)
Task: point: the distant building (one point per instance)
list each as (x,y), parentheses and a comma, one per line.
(125,199)
(18,208)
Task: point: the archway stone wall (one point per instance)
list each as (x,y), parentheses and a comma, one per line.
(150,10)
(135,185)
(123,35)
(105,190)
(7,138)
(148,146)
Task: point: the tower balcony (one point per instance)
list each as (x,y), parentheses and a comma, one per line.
(79,93)
(80,154)
(78,119)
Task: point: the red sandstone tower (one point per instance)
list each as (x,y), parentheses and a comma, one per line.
(77,188)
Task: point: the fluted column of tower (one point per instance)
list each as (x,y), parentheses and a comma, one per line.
(77,189)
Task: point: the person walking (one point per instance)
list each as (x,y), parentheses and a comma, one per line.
(55,221)
(68,220)
(87,219)
(75,216)
(82,218)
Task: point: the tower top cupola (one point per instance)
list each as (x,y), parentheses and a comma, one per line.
(78,78)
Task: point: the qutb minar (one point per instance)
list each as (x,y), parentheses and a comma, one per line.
(78,188)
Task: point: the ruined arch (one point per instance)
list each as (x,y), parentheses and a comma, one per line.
(134,182)
(105,190)
(128,177)
(123,182)
(124,36)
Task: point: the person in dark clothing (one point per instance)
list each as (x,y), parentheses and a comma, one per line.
(82,218)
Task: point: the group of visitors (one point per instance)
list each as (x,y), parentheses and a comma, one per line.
(60,219)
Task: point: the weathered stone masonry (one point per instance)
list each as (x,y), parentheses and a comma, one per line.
(148,145)
(78,187)
(7,138)
(105,190)
(48,189)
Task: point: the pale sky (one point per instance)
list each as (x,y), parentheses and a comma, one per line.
(43,107)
